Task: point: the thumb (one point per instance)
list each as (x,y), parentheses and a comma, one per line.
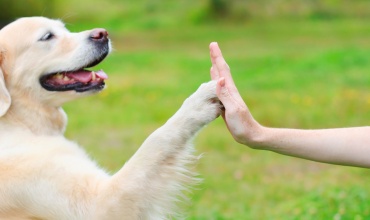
(223,93)
(229,95)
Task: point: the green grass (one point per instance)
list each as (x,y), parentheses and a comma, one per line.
(301,74)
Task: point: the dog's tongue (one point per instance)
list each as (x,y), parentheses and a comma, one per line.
(80,76)
(85,76)
(101,74)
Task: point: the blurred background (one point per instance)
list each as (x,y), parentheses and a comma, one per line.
(297,63)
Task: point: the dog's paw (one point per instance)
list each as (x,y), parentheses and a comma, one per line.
(203,106)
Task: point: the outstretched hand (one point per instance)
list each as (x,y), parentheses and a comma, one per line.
(345,146)
(237,117)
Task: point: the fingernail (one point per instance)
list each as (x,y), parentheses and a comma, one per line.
(213,43)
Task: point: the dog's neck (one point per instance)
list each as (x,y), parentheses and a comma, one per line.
(35,117)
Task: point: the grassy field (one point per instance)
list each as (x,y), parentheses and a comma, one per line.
(299,74)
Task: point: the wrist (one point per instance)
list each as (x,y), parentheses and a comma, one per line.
(254,136)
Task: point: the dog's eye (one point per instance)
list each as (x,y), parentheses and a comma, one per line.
(47,36)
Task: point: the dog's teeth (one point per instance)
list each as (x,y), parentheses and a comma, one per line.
(59,76)
(93,76)
(66,78)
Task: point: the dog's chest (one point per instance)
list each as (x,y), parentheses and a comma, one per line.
(34,171)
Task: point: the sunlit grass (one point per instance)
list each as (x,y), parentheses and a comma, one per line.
(291,74)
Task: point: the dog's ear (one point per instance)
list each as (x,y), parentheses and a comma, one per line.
(5,99)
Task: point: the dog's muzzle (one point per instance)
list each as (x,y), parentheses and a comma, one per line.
(82,80)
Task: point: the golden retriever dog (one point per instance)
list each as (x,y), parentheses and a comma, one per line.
(43,175)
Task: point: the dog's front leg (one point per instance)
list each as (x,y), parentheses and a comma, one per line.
(150,183)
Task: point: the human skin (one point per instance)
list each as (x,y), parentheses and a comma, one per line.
(342,146)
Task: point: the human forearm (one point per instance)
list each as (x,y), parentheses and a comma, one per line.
(344,146)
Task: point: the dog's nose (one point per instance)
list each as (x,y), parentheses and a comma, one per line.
(99,34)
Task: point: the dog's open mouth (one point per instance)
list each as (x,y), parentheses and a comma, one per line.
(80,80)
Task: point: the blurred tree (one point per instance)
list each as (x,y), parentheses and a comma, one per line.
(13,9)
(219,8)
(154,13)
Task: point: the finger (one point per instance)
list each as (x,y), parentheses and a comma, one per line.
(231,99)
(222,67)
(214,71)
(218,60)
(223,94)
(215,54)
(212,47)
(224,72)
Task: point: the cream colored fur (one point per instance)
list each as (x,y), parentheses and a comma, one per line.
(45,176)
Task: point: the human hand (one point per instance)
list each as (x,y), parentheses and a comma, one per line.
(237,116)
(344,146)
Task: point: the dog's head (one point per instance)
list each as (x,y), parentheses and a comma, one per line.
(41,59)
